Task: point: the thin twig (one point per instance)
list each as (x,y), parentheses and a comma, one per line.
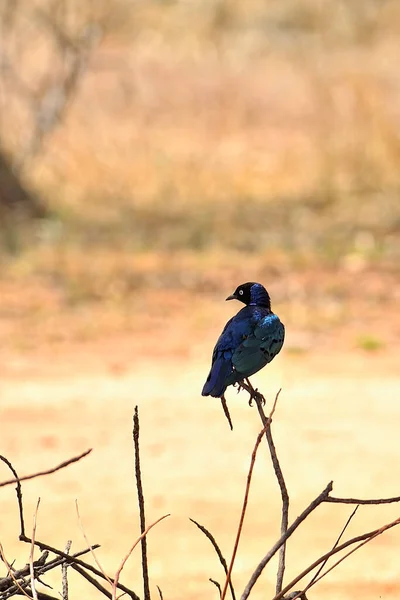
(335,500)
(217,549)
(18,490)
(90,546)
(64,464)
(32,552)
(82,564)
(315,577)
(310,508)
(10,571)
(217,585)
(64,573)
(118,573)
(365,536)
(91,580)
(260,400)
(160,593)
(139,487)
(241,520)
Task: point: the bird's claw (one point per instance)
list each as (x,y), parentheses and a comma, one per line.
(257,396)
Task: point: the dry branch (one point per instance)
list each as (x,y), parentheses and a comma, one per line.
(267,422)
(139,487)
(365,537)
(64,464)
(245,501)
(306,512)
(217,549)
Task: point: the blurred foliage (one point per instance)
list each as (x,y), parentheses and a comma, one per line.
(220,124)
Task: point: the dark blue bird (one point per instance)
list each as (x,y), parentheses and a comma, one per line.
(249,341)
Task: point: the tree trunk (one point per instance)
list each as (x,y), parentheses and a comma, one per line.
(16,201)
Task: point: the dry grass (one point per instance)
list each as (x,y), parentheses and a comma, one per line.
(210,143)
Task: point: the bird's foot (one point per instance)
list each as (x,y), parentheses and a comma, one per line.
(257,396)
(239,386)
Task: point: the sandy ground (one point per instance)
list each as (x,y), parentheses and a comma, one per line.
(337,419)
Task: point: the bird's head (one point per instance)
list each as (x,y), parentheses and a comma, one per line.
(251,293)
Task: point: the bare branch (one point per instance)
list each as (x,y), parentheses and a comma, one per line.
(218,551)
(217,585)
(160,593)
(315,577)
(10,571)
(139,487)
(18,490)
(310,508)
(90,546)
(335,500)
(64,574)
(267,422)
(118,573)
(246,497)
(365,536)
(76,562)
(64,464)
(32,552)
(91,580)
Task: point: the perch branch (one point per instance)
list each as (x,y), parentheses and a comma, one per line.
(267,422)
(246,497)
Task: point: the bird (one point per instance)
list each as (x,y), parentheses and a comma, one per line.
(248,342)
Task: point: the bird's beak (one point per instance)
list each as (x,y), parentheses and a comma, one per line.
(231,297)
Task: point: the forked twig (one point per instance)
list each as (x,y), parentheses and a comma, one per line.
(307,511)
(315,577)
(139,487)
(18,490)
(365,537)
(118,573)
(10,572)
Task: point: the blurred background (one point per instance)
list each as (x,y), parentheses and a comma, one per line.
(184,145)
(154,154)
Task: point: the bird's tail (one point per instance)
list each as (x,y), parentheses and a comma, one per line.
(216,380)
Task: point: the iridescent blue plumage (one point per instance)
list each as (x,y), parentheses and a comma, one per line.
(249,341)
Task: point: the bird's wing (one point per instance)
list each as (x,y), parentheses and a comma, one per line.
(260,347)
(235,331)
